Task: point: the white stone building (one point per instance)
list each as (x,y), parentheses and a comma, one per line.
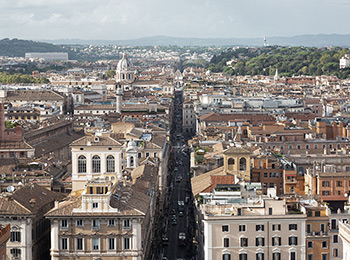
(24,210)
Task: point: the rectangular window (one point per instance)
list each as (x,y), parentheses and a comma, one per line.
(243,256)
(339,183)
(111,243)
(276,256)
(310,257)
(260,256)
(126,224)
(293,241)
(242,228)
(293,256)
(95,223)
(276,241)
(225,228)
(324,256)
(79,244)
(324,244)
(308,229)
(310,244)
(244,242)
(323,228)
(15,252)
(270,211)
(95,243)
(226,242)
(276,227)
(325,184)
(64,223)
(259,227)
(111,222)
(94,205)
(335,239)
(15,236)
(317,213)
(79,223)
(259,241)
(293,226)
(126,245)
(64,243)
(226,257)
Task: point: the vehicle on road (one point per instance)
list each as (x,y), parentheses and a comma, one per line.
(182,239)
(178,178)
(181,207)
(165,240)
(174,222)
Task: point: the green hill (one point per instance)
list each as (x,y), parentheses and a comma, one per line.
(288,60)
(18,48)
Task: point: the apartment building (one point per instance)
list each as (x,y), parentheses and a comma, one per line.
(108,221)
(24,210)
(237,224)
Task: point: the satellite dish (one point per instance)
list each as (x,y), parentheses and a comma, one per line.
(23,174)
(20,184)
(3,175)
(10,188)
(346,195)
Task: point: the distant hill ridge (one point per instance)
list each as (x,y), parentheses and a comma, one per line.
(309,40)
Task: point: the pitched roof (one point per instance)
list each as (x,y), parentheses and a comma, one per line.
(229,179)
(203,181)
(31,95)
(236,150)
(28,200)
(103,141)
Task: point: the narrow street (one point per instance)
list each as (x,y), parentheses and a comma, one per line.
(178,220)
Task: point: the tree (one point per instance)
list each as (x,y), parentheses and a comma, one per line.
(110,74)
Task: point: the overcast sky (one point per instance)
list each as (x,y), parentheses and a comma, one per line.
(129,19)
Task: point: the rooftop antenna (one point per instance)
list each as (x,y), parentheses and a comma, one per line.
(265,43)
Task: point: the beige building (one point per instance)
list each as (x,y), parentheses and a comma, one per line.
(344,232)
(95,157)
(237,162)
(108,221)
(238,224)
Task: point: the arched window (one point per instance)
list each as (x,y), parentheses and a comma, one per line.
(96,164)
(242,164)
(230,163)
(81,164)
(110,163)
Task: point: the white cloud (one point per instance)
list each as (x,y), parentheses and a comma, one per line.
(123,19)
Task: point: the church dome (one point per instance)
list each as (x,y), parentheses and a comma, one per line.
(124,64)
